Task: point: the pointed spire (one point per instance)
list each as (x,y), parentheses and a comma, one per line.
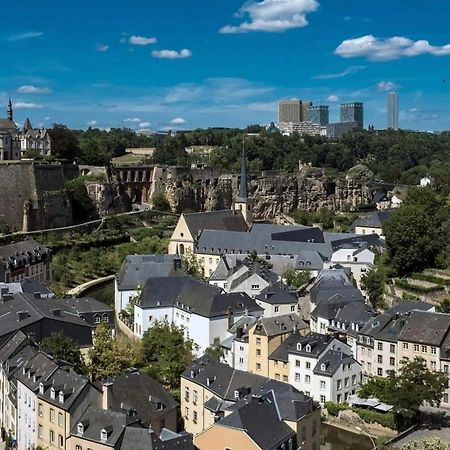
(243,187)
(10,115)
(27,125)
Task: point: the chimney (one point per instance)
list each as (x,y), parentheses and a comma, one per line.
(106,391)
(22,315)
(246,311)
(239,332)
(56,312)
(230,317)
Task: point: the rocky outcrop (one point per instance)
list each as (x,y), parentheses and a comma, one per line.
(108,198)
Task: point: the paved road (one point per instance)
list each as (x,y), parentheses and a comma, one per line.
(437,424)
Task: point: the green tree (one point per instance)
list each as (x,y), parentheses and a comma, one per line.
(418,232)
(262,262)
(374,284)
(192,266)
(108,357)
(160,202)
(215,350)
(167,352)
(444,305)
(64,348)
(431,443)
(65,143)
(297,278)
(408,389)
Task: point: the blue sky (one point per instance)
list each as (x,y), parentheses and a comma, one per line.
(154,64)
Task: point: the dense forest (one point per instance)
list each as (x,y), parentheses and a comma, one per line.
(393,156)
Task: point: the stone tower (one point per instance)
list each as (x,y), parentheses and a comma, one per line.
(10,114)
(244,203)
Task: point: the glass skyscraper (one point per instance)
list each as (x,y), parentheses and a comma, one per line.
(319,114)
(392,110)
(353,112)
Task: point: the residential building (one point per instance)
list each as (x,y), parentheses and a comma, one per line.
(377,348)
(353,112)
(25,259)
(319,114)
(337,130)
(266,335)
(293,111)
(306,128)
(27,286)
(203,310)
(278,300)
(136,270)
(140,396)
(212,392)
(34,139)
(392,110)
(371,223)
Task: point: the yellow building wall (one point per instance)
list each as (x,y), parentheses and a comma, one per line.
(220,438)
(60,425)
(279,370)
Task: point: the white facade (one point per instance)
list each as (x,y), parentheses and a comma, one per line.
(122,298)
(320,325)
(7,408)
(237,356)
(26,417)
(274,310)
(252,286)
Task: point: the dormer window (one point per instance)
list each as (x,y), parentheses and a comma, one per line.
(80,429)
(299,347)
(323,367)
(236,394)
(61,397)
(52,393)
(41,388)
(308,348)
(103,435)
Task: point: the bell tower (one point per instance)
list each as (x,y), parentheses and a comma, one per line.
(244,203)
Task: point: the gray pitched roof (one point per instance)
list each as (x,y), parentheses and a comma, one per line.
(277,294)
(84,305)
(138,391)
(195,296)
(274,326)
(374,219)
(6,124)
(137,269)
(226,220)
(251,416)
(23,248)
(16,342)
(425,328)
(138,438)
(329,362)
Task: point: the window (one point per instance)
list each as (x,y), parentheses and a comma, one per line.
(445,398)
(369,352)
(323,399)
(416,347)
(195,417)
(323,385)
(52,415)
(60,419)
(40,409)
(186,413)
(258,366)
(433,350)
(297,377)
(307,379)
(339,398)
(258,341)
(285,378)
(52,436)
(195,397)
(353,380)
(380,346)
(103,435)
(241,348)
(78,447)
(241,360)
(380,372)
(258,352)
(277,308)
(293,308)
(277,376)
(60,441)
(392,348)
(446,368)
(405,346)
(297,363)
(97,319)
(392,361)
(424,349)
(363,351)
(186,394)
(308,365)
(346,382)
(339,385)
(255,286)
(40,431)
(380,359)
(433,365)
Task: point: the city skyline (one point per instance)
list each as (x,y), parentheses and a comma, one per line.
(179,65)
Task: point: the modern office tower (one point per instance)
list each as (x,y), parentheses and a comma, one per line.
(392,110)
(337,130)
(319,114)
(293,111)
(353,112)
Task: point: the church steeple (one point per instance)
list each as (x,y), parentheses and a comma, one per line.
(244,203)
(10,114)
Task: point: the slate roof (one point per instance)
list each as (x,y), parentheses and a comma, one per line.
(425,328)
(30,286)
(406,306)
(136,269)
(6,124)
(357,313)
(13,345)
(138,438)
(37,369)
(84,305)
(195,296)
(274,326)
(374,219)
(252,415)
(332,360)
(95,420)
(22,248)
(137,391)
(277,294)
(243,271)
(226,220)
(330,308)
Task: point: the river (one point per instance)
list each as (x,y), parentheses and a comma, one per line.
(332,438)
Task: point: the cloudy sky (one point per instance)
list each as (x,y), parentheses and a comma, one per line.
(174,64)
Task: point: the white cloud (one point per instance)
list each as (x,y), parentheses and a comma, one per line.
(142,40)
(29,89)
(349,71)
(26,35)
(178,121)
(102,47)
(92,122)
(25,105)
(172,54)
(144,124)
(396,47)
(333,98)
(133,120)
(272,15)
(386,86)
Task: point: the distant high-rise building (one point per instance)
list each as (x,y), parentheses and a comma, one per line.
(319,114)
(392,110)
(353,112)
(293,111)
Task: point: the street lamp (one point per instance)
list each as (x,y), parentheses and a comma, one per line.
(368,435)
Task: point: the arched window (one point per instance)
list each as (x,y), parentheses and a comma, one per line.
(181,249)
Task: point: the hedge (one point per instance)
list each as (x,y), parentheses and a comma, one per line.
(431,278)
(370,416)
(334,408)
(420,289)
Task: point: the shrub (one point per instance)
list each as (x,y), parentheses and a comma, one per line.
(370,416)
(431,278)
(419,289)
(334,408)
